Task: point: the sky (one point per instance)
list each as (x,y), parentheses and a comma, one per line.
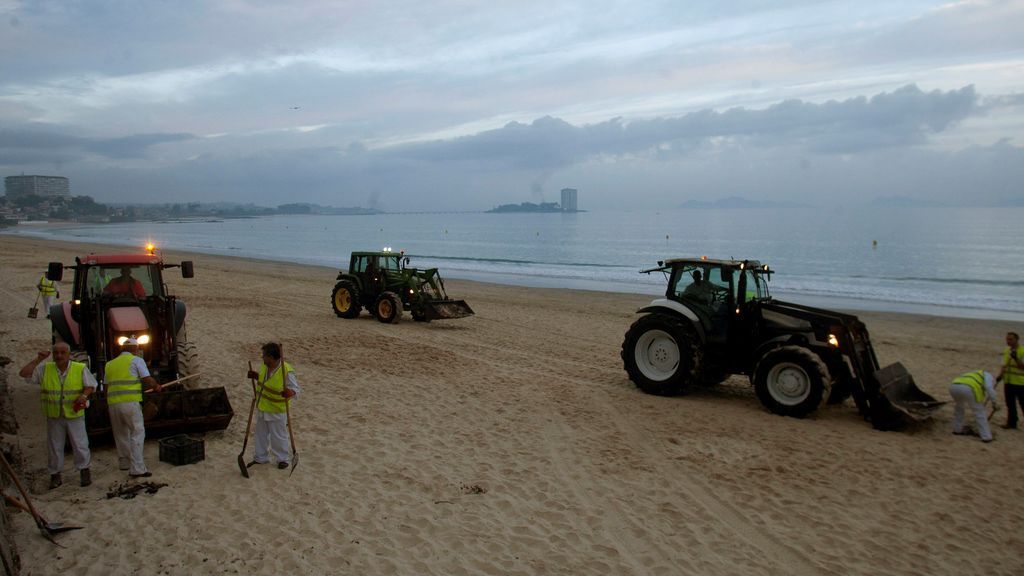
(459,105)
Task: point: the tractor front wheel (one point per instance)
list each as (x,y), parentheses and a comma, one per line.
(661,354)
(345,299)
(388,308)
(791,381)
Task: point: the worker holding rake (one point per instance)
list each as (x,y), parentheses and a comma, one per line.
(276,386)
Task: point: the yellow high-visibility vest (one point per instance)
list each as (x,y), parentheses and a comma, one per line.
(976,380)
(1012,374)
(46,287)
(57,397)
(121,385)
(271,399)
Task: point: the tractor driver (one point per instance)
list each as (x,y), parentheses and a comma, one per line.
(700,290)
(125,285)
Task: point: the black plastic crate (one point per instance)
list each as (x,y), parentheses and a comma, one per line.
(182,449)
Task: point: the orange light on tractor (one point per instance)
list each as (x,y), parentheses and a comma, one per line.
(703,257)
(150,247)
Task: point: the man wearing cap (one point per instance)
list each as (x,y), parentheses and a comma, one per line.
(275,389)
(973,389)
(48,290)
(124,378)
(65,388)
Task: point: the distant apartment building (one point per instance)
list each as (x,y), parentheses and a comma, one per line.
(569,200)
(44,186)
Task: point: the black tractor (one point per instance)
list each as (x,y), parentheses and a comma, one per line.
(718,319)
(383,283)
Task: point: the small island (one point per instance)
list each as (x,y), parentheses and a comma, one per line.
(526,207)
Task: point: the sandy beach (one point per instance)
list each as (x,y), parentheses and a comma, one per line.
(512,442)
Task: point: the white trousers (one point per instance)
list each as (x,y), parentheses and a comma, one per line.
(272,434)
(56,430)
(964,397)
(47,302)
(129,434)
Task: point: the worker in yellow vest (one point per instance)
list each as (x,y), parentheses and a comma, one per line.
(125,377)
(973,389)
(276,386)
(65,387)
(49,291)
(1011,372)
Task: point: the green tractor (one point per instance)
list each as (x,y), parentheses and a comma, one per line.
(382,283)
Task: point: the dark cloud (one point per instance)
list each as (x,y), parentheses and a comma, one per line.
(44,144)
(906,116)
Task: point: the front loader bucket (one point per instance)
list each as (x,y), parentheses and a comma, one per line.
(445,309)
(902,398)
(165,413)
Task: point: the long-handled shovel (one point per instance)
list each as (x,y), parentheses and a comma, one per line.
(47,529)
(287,412)
(33,312)
(248,426)
(53,527)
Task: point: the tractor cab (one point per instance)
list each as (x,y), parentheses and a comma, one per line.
(721,294)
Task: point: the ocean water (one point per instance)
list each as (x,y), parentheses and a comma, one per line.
(946,261)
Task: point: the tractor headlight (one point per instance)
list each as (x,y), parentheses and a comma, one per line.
(833,340)
(144,339)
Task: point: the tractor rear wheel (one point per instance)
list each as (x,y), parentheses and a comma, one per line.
(661,354)
(388,308)
(345,299)
(188,363)
(791,381)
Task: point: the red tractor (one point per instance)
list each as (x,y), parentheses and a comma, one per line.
(117,296)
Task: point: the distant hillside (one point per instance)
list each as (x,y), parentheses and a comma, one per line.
(736,202)
(904,202)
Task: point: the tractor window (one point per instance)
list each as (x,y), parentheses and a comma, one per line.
(757,286)
(714,276)
(390,263)
(358,265)
(126,280)
(703,286)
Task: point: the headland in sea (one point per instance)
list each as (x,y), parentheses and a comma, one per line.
(512,442)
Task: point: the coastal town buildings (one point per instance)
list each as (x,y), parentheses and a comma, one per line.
(42,186)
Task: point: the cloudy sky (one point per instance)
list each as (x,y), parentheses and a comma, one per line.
(460,104)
